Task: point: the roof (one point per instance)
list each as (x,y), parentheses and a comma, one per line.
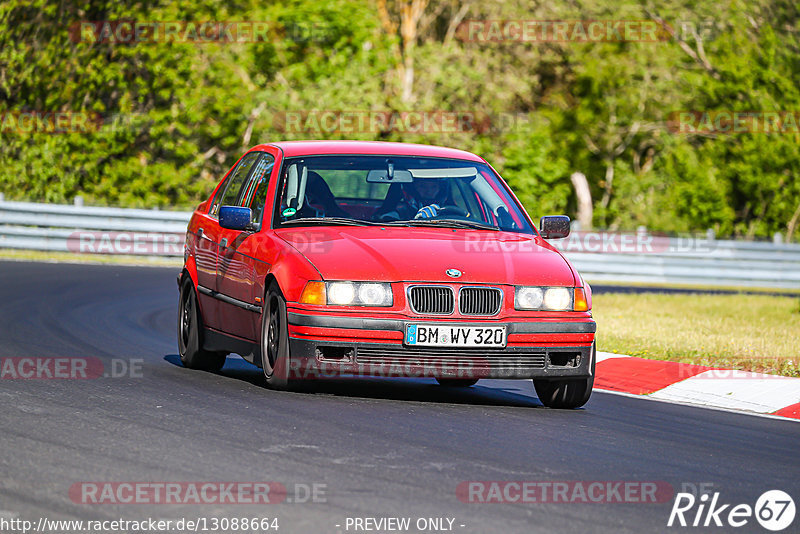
(309,148)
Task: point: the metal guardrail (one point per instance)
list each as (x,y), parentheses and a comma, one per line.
(770,272)
(80,229)
(599,256)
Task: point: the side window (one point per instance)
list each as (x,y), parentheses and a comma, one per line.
(257,189)
(233,185)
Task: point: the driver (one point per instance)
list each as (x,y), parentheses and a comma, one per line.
(422,199)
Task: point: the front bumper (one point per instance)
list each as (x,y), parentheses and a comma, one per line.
(340,346)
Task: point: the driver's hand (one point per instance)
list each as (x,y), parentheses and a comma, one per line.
(428,212)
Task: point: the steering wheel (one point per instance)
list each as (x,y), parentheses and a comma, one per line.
(449,211)
(452,210)
(389,216)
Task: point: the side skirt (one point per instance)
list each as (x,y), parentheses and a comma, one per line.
(214,340)
(230,300)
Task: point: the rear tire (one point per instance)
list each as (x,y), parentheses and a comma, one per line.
(190,333)
(457,382)
(567,393)
(275,359)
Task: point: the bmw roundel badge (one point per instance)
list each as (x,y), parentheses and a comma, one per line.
(453,273)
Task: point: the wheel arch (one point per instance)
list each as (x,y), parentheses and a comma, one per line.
(291,274)
(189,272)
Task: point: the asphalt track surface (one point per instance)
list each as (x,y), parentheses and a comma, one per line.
(381,447)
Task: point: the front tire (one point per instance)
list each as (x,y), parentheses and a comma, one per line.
(190,327)
(275,359)
(567,393)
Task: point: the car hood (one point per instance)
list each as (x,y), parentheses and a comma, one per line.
(395,254)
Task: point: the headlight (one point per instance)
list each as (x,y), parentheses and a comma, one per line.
(558,298)
(528,298)
(543,298)
(375,295)
(342,293)
(359,294)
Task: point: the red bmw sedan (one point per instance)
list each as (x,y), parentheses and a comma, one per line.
(345,258)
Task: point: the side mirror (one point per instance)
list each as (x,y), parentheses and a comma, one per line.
(554,226)
(235,218)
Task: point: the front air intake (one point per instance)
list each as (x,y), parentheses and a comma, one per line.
(431,300)
(480,300)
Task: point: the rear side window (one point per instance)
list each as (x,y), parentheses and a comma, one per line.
(233,186)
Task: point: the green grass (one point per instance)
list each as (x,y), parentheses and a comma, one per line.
(748,332)
(705,287)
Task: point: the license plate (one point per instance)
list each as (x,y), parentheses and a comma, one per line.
(437,335)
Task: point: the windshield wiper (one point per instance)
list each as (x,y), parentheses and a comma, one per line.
(333,221)
(451,223)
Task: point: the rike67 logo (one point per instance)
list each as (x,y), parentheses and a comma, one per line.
(774,510)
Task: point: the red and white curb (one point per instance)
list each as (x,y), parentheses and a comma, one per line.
(712,387)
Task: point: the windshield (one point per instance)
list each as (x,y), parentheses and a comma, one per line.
(395,190)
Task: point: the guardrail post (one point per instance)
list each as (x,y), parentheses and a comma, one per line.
(711,235)
(777,238)
(2,197)
(78,200)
